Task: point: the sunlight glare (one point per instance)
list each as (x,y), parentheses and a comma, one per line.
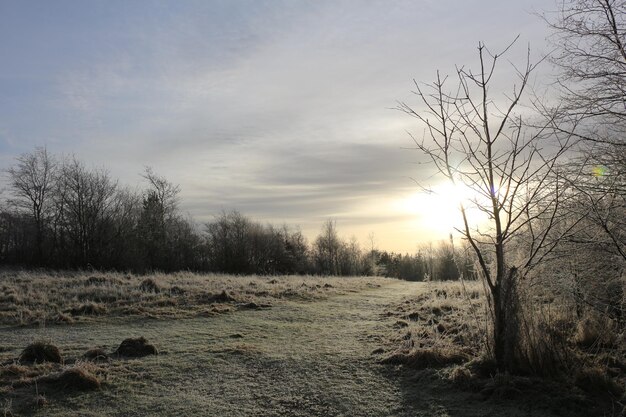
(437,212)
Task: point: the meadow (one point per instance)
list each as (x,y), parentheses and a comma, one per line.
(97,344)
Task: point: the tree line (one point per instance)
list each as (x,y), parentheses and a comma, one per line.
(60,213)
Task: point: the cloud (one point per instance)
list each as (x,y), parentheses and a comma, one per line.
(277,108)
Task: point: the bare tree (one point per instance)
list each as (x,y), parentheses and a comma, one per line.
(32,181)
(590,41)
(164,192)
(590,54)
(326,249)
(88,199)
(483,144)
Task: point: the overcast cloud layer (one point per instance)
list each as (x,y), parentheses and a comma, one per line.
(280,109)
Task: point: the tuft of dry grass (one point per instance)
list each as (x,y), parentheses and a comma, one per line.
(552,347)
(443,318)
(136,348)
(14,371)
(594,332)
(40,352)
(77,378)
(461,377)
(150,285)
(483,367)
(595,380)
(88,309)
(96,355)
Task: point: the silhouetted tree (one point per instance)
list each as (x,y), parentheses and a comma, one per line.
(445,264)
(326,249)
(476,142)
(87,199)
(32,181)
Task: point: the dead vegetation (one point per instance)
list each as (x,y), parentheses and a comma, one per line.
(77,378)
(42,298)
(96,355)
(40,352)
(39,373)
(135,348)
(445,326)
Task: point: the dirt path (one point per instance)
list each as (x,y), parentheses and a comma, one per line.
(295,359)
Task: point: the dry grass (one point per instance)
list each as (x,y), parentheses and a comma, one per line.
(79,377)
(304,358)
(96,355)
(596,380)
(136,348)
(426,358)
(39,373)
(447,317)
(447,325)
(41,298)
(40,352)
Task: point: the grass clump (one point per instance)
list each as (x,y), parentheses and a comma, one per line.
(136,348)
(150,285)
(594,332)
(95,281)
(224,297)
(14,371)
(40,352)
(595,381)
(77,378)
(96,355)
(88,309)
(461,377)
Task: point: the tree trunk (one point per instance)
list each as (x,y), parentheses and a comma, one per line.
(505,323)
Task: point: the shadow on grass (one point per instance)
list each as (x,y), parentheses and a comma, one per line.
(430,392)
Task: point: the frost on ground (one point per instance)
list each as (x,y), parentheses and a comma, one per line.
(320,355)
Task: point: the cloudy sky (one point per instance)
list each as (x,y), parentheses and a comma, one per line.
(280,109)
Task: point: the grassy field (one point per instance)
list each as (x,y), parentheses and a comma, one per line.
(43,298)
(261,346)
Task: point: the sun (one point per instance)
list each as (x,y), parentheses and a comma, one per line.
(437,212)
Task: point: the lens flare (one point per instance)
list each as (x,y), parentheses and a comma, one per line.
(599,171)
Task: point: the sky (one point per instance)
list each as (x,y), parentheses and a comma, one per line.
(280,109)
